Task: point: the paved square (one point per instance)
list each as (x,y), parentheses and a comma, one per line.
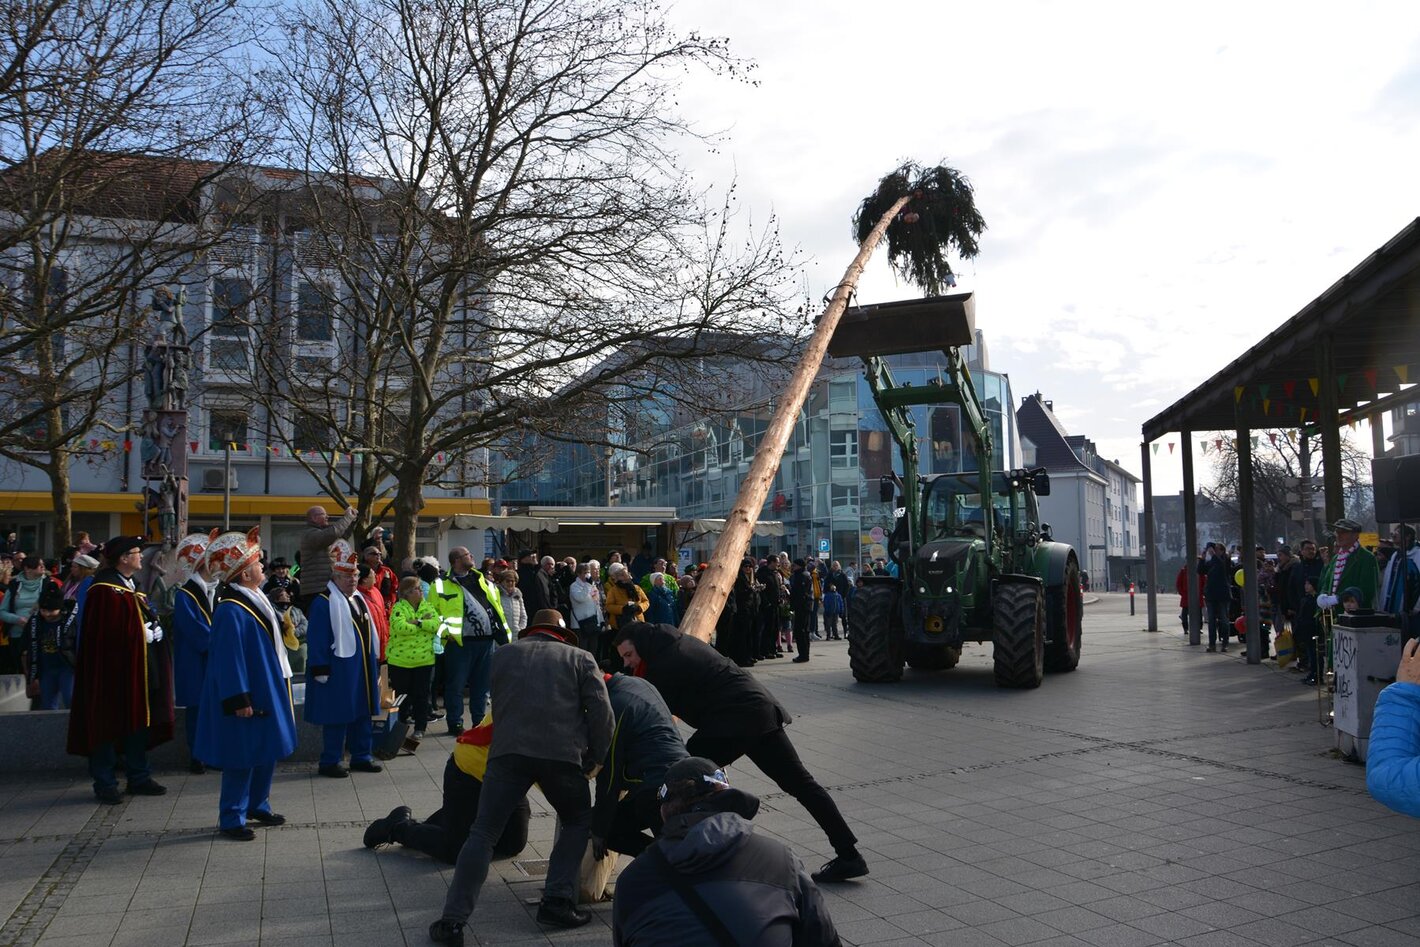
(1158,795)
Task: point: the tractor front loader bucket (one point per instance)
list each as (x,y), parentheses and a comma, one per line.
(912,325)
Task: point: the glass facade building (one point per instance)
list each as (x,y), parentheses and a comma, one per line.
(826,489)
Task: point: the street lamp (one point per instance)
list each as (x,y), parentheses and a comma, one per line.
(227,480)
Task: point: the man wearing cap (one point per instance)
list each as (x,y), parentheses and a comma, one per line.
(1350,566)
(113,703)
(316,539)
(281,578)
(557,740)
(192,631)
(469,652)
(710,880)
(247,720)
(342,669)
(734,715)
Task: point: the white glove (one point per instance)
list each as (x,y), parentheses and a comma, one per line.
(153,632)
(1326,601)
(322,678)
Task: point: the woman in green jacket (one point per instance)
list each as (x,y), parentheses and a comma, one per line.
(414,625)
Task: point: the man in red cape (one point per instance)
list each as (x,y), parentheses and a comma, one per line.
(123,697)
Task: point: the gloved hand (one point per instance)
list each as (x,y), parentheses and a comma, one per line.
(322,678)
(153,632)
(598,847)
(1327,601)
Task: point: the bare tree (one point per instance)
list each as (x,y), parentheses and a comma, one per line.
(1281,475)
(500,232)
(117,117)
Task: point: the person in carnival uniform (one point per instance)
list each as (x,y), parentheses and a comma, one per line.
(246,719)
(192,629)
(342,668)
(122,678)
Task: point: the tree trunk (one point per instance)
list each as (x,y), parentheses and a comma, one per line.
(714,586)
(408,501)
(58,470)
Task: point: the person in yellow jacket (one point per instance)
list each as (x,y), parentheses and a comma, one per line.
(414,625)
(625,600)
(442,835)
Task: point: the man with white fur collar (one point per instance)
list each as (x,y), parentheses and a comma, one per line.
(342,668)
(247,718)
(192,632)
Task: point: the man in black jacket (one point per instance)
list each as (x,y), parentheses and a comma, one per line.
(801,602)
(644,744)
(733,716)
(1217,569)
(710,880)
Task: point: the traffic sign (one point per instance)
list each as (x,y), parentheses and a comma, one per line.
(823,547)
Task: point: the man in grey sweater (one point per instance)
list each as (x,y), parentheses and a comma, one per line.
(320,532)
(557,741)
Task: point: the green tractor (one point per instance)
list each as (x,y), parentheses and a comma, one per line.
(974,562)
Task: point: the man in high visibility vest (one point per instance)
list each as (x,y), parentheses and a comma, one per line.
(468,656)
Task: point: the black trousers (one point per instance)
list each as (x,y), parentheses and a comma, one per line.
(776,757)
(638,811)
(768,631)
(801,631)
(442,835)
(415,683)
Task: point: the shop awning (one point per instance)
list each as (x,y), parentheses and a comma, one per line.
(761,528)
(536,524)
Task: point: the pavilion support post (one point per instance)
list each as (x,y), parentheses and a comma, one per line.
(1330,430)
(1151,563)
(1190,539)
(1247,555)
(1377,422)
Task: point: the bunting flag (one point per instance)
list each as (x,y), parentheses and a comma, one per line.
(1303,418)
(128,447)
(1403,373)
(1341,382)
(193,445)
(1237,394)
(1272,436)
(1288,387)
(1263,389)
(1315,384)
(1255,441)
(1371,377)
(1204,445)
(1218,444)
(1266,406)
(1291,435)
(1170,447)
(1155,446)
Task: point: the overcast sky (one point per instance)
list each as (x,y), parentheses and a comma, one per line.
(1162,185)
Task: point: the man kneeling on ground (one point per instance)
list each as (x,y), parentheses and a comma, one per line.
(709,880)
(443,834)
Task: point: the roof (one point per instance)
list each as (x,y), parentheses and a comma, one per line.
(1370,317)
(1037,423)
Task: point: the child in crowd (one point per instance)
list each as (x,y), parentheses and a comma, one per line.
(832,613)
(49,663)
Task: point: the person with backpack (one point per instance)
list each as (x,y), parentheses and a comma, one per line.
(21,600)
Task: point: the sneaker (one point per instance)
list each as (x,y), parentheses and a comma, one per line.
(842,868)
(435,715)
(381,831)
(455,730)
(562,912)
(147,788)
(446,932)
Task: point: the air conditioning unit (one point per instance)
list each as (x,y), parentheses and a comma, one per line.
(215,480)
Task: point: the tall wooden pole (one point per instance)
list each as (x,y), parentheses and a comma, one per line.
(715,584)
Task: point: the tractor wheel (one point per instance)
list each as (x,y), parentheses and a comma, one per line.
(1019,635)
(1064,620)
(929,657)
(875,634)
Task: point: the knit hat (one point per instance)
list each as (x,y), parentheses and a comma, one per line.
(692,778)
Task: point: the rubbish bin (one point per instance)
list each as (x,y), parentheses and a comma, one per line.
(1365,649)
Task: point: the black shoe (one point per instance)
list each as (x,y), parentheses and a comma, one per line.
(455,730)
(239,834)
(381,831)
(197,767)
(266,818)
(1224,649)
(147,788)
(1309,681)
(561,912)
(801,660)
(110,796)
(435,715)
(365,766)
(1211,650)
(842,868)
(446,932)
(334,771)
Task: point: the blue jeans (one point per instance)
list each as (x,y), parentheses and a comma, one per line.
(56,688)
(470,663)
(357,737)
(244,791)
(135,755)
(505,784)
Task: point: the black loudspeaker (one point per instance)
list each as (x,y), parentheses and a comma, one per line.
(1397,485)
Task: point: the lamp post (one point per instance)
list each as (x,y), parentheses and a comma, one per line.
(227,480)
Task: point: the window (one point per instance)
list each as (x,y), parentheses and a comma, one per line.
(843,448)
(226,425)
(230,299)
(309,432)
(844,498)
(315,320)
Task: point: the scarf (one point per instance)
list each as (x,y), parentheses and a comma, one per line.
(1338,566)
(264,609)
(342,620)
